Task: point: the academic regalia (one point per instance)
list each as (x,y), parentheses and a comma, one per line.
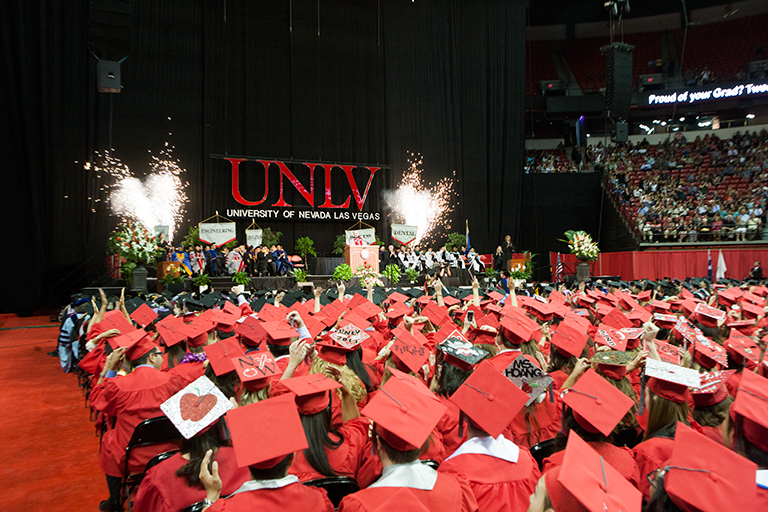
(132,399)
(280,494)
(345,460)
(620,457)
(198,262)
(652,454)
(713,433)
(211,258)
(435,491)
(162,491)
(546,415)
(559,376)
(234,262)
(448,426)
(183,258)
(497,484)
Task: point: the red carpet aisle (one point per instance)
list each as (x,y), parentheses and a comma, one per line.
(50,454)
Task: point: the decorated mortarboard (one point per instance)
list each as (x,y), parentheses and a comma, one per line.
(280,432)
(408,350)
(612,358)
(711,390)
(256,369)
(569,338)
(196,407)
(610,337)
(670,381)
(668,353)
(705,476)
(703,346)
(349,336)
(664,321)
(489,399)
(527,376)
(311,391)
(587,483)
(708,316)
(597,405)
(404,418)
(741,346)
(143,315)
(459,352)
(220,355)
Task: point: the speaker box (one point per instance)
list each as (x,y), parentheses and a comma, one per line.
(108,76)
(618,79)
(622,132)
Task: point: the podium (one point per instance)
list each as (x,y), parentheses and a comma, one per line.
(356,255)
(518,260)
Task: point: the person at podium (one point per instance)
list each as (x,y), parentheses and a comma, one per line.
(509,249)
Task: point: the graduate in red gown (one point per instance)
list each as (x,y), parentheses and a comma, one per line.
(130,400)
(405,412)
(267,455)
(501,474)
(710,409)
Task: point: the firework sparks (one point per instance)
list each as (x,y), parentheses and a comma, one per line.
(425,205)
(158,200)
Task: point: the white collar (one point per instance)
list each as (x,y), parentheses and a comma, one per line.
(761,477)
(508,350)
(501,448)
(414,475)
(255,485)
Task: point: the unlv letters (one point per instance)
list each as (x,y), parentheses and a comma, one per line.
(307,194)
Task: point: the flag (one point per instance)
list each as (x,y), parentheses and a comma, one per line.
(721,268)
(468,246)
(709,266)
(559,270)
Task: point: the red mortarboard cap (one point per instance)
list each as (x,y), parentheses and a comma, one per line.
(460,353)
(752,298)
(270,313)
(311,392)
(712,389)
(367,309)
(616,319)
(659,306)
(688,306)
(436,314)
(705,476)
(740,347)
(265,432)
(143,315)
(587,483)
(729,296)
(489,399)
(517,329)
(397,297)
(670,381)
(638,316)
(752,403)
(449,300)
(396,312)
(251,331)
(633,336)
(407,350)
(197,332)
(116,320)
(349,336)
(314,326)
(495,296)
(584,301)
(231,309)
(280,333)
(220,355)
(140,347)
(668,353)
(708,316)
(711,350)
(569,338)
(610,337)
(172,329)
(256,369)
(126,339)
(597,405)
(644,296)
(225,322)
(482,336)
(330,352)
(541,310)
(352,318)
(404,418)
(751,310)
(664,321)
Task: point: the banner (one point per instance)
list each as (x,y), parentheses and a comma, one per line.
(217,233)
(404,234)
(361,236)
(253,237)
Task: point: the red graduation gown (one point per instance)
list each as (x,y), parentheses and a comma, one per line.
(450,494)
(162,491)
(498,485)
(294,496)
(346,460)
(132,399)
(620,457)
(448,426)
(651,455)
(559,376)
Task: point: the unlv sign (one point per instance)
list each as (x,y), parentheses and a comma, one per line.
(279,169)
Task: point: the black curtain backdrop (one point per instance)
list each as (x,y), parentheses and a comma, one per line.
(366,81)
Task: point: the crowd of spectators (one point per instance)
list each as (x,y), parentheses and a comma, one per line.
(710,189)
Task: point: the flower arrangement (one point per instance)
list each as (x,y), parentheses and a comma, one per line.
(581,245)
(343,272)
(368,276)
(135,243)
(524,271)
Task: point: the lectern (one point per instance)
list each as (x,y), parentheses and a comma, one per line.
(356,255)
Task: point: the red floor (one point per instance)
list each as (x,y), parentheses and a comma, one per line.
(50,453)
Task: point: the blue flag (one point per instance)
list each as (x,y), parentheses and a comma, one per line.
(709,266)
(467,251)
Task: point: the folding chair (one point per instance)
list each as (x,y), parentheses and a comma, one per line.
(431,463)
(160,457)
(152,431)
(336,486)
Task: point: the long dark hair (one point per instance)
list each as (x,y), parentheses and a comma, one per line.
(316,428)
(175,353)
(226,383)
(196,446)
(450,379)
(355,363)
(661,502)
(570,423)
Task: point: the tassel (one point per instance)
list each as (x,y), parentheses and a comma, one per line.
(551,392)
(641,405)
(461,425)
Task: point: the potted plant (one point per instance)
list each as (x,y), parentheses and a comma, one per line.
(455,241)
(412,274)
(173,280)
(490,275)
(203,281)
(240,279)
(300,275)
(343,272)
(368,276)
(305,246)
(138,246)
(392,273)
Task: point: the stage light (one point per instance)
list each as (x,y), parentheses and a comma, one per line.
(750,116)
(682,119)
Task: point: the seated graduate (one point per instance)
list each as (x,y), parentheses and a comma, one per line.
(405,412)
(501,475)
(584,483)
(174,484)
(265,437)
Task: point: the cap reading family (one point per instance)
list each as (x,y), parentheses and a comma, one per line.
(637,396)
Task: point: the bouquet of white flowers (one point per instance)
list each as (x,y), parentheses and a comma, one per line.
(368,276)
(581,245)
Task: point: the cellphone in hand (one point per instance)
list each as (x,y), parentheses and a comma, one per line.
(470,316)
